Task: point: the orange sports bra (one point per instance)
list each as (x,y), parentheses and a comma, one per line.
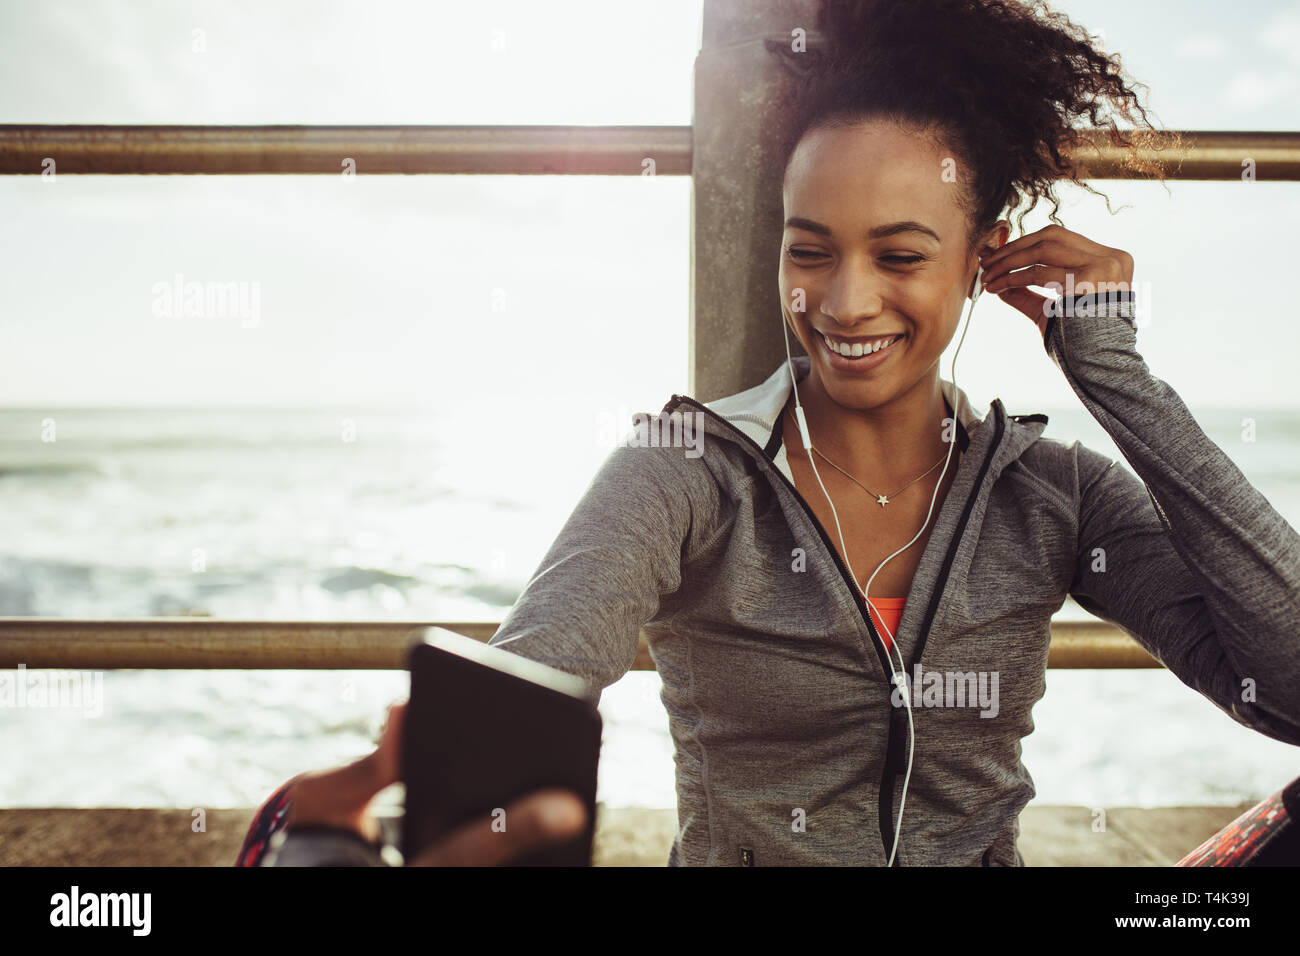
(891,610)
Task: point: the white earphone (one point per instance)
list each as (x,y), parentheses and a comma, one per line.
(897,676)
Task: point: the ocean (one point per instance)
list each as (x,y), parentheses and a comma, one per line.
(430,515)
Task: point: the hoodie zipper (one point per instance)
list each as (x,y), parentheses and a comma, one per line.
(894,735)
(894,756)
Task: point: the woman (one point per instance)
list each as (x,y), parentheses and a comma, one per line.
(812,725)
(809,726)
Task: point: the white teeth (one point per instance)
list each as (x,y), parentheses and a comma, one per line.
(857,349)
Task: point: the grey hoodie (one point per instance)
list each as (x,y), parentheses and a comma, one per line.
(791,741)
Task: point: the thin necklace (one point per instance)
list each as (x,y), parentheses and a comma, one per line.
(881,500)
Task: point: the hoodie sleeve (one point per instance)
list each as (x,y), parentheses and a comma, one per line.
(620,551)
(1187,557)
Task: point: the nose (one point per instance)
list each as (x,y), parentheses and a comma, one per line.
(851,297)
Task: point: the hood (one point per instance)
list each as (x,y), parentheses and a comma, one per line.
(754,413)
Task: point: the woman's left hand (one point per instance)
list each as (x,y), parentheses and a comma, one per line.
(341,797)
(1048,256)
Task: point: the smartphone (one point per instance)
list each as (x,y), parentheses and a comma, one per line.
(485,727)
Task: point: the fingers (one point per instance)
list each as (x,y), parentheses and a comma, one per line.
(1053,233)
(388,753)
(393,720)
(1031,262)
(1039,274)
(1048,256)
(538,820)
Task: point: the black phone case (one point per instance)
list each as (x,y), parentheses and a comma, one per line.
(477,737)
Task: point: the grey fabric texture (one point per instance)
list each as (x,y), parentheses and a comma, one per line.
(777,694)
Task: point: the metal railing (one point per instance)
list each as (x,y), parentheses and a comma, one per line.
(186,643)
(524,150)
(365,150)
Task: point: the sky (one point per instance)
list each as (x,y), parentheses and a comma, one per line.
(392,291)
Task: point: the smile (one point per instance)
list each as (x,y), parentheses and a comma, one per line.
(859,347)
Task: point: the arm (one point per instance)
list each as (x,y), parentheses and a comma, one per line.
(619,552)
(1199,568)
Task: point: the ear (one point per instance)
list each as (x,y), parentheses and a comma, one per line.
(995,238)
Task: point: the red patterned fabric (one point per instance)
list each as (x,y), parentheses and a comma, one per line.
(1268,834)
(270,818)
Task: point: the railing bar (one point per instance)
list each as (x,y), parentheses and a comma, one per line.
(526,150)
(197,643)
(336,150)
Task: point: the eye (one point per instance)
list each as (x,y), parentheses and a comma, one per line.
(805,254)
(908,260)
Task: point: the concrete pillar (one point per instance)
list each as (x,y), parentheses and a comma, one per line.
(736,193)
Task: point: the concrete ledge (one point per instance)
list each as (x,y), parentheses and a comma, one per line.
(1049,836)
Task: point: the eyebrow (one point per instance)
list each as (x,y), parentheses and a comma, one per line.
(879,232)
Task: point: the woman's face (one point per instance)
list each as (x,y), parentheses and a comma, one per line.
(875,239)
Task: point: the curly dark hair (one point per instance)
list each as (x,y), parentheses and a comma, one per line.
(999,82)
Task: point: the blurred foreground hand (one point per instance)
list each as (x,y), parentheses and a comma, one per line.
(341,798)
